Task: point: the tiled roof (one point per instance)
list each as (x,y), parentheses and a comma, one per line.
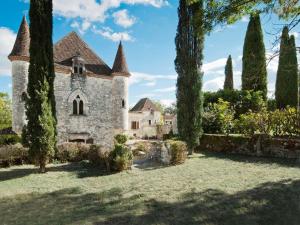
(120,65)
(145,104)
(72,45)
(169,116)
(21,46)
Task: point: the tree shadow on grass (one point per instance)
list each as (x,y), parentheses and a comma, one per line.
(81,169)
(275,203)
(252,159)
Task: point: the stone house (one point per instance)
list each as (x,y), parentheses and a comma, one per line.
(170,124)
(143,119)
(91,98)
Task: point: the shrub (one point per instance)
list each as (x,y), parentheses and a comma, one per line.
(72,152)
(276,123)
(99,156)
(13,155)
(9,139)
(178,151)
(241,101)
(218,118)
(121,138)
(121,157)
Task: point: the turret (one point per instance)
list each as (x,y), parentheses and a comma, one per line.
(120,75)
(20,64)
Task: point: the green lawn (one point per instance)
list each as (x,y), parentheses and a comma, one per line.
(207,189)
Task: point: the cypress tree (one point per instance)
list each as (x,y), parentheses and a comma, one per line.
(228,84)
(254,73)
(189,46)
(40,105)
(286,92)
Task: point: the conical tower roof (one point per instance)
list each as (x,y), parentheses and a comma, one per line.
(22,44)
(120,65)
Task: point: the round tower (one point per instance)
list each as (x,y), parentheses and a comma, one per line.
(20,64)
(121,75)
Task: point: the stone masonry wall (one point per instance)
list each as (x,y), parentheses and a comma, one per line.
(97,121)
(258,145)
(19,86)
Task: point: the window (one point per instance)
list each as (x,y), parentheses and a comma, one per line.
(123,103)
(75,107)
(135,125)
(81,107)
(150,122)
(80,70)
(75,69)
(78,106)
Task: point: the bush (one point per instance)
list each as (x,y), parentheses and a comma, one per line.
(178,152)
(277,123)
(100,156)
(121,158)
(9,139)
(72,152)
(241,101)
(13,155)
(121,138)
(218,118)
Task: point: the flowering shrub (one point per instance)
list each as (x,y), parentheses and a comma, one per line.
(218,118)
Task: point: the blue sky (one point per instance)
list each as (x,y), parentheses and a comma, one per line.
(147,28)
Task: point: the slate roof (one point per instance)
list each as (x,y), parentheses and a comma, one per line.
(68,47)
(21,46)
(72,45)
(120,64)
(145,104)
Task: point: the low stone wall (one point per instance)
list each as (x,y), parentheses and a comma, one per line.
(258,145)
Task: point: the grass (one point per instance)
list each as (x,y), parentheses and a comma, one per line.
(208,189)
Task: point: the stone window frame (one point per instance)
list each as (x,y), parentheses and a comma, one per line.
(84,111)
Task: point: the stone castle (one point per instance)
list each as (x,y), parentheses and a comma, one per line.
(91,98)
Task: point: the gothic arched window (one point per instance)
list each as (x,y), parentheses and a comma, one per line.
(78,106)
(81,107)
(75,112)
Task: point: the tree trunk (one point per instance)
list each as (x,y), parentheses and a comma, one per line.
(42,166)
(190,151)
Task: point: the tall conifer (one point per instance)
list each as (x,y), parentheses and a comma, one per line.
(189,45)
(286,92)
(254,74)
(40,105)
(228,84)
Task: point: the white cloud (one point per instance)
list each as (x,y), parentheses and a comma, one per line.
(167,102)
(150,84)
(245,19)
(296,34)
(95,11)
(122,18)
(109,34)
(138,77)
(7,40)
(82,27)
(165,90)
(212,66)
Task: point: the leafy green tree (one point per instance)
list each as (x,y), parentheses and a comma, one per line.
(286,92)
(172,109)
(254,74)
(5,111)
(40,105)
(189,46)
(228,84)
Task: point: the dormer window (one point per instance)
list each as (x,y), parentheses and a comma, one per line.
(78,64)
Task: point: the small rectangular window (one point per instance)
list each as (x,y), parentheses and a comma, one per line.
(75,69)
(150,122)
(134,125)
(80,70)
